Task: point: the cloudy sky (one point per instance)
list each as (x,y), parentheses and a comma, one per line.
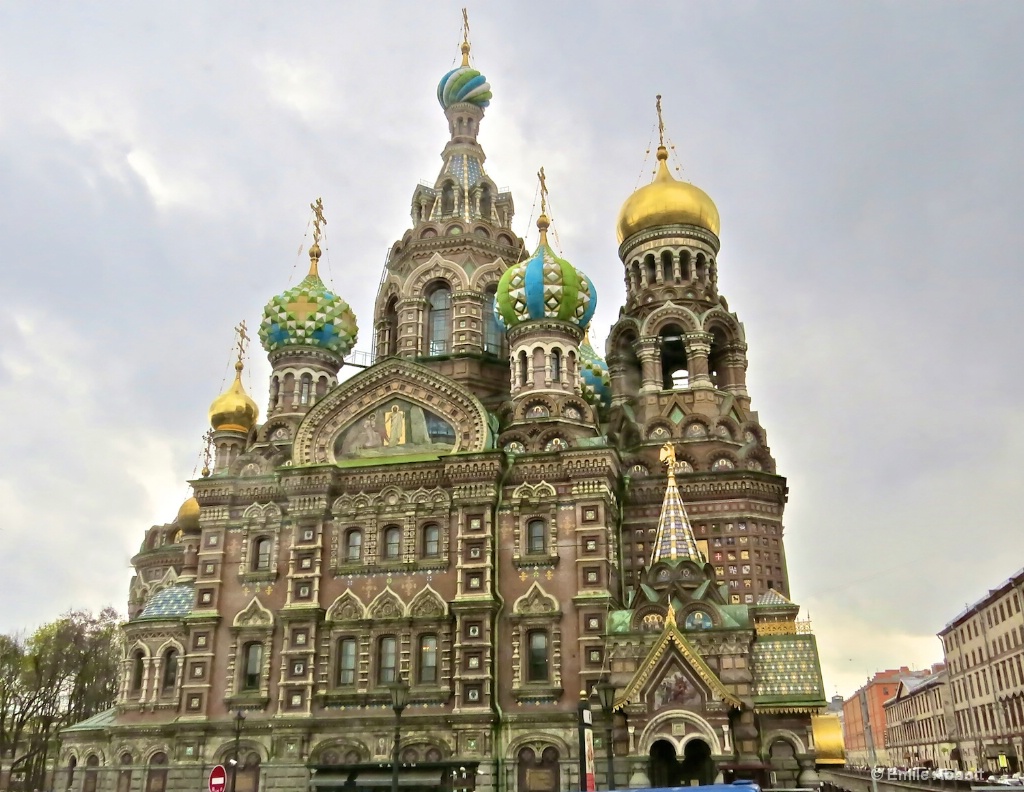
(157,163)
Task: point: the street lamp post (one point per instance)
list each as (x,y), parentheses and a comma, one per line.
(399,698)
(606,695)
(239,720)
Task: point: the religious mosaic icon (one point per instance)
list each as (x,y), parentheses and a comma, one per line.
(397,428)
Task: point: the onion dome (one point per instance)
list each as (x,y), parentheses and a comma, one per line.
(309,315)
(545,286)
(464,84)
(594,374)
(233,410)
(666,201)
(188,515)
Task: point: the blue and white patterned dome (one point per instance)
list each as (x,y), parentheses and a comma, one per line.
(594,374)
(464,84)
(545,286)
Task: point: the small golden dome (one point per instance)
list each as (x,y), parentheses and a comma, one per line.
(233,410)
(666,201)
(188,515)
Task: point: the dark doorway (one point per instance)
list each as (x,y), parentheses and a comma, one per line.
(784,764)
(696,767)
(697,763)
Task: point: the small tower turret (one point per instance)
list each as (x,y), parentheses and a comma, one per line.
(233,414)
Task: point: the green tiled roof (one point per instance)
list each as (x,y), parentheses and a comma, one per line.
(97,721)
(787,671)
(170,603)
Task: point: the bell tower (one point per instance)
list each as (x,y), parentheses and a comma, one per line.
(436,298)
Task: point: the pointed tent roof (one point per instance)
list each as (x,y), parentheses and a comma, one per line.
(675,540)
(672,637)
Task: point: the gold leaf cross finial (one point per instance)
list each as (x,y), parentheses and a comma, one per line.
(465,37)
(207,452)
(319,221)
(242,342)
(543,191)
(668,459)
(661,121)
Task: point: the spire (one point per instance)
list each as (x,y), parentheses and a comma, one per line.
(319,221)
(543,222)
(465,38)
(674,540)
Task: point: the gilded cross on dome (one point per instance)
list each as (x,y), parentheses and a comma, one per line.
(302,308)
(319,221)
(661,121)
(243,340)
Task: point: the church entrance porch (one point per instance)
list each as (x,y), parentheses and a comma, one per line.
(451,776)
(695,767)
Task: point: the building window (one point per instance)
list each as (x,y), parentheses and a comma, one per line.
(493,333)
(305,384)
(138,670)
(124,777)
(261,555)
(387,660)
(156,778)
(537,669)
(392,543)
(439,321)
(346,661)
(428,659)
(91,773)
(535,536)
(556,365)
(431,541)
(253,668)
(170,669)
(354,545)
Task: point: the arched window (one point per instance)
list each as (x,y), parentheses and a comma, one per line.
(535,536)
(91,773)
(124,776)
(556,365)
(666,267)
(72,764)
(537,667)
(428,659)
(261,555)
(156,778)
(652,269)
(700,267)
(170,670)
(305,386)
(684,265)
(716,359)
(448,199)
(439,321)
(523,368)
(485,202)
(390,340)
(387,660)
(252,669)
(248,778)
(354,545)
(392,549)
(431,541)
(494,335)
(675,374)
(138,670)
(346,661)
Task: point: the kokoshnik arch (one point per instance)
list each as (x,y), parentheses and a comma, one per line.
(489,511)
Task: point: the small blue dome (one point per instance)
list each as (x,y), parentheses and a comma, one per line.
(464,84)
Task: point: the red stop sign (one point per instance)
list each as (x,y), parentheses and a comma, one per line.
(218,779)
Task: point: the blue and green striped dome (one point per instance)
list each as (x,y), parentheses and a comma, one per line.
(464,84)
(594,375)
(545,287)
(309,315)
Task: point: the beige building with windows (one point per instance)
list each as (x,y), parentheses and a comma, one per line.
(984,650)
(919,719)
(488,513)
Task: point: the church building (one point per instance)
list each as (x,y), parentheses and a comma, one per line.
(490,521)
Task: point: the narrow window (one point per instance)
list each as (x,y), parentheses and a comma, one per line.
(253,669)
(431,541)
(156,778)
(390,345)
(138,670)
(91,773)
(387,662)
(170,669)
(305,383)
(485,202)
(538,659)
(261,555)
(347,661)
(493,333)
(556,365)
(522,368)
(354,545)
(392,543)
(447,199)
(535,536)
(428,659)
(124,777)
(439,321)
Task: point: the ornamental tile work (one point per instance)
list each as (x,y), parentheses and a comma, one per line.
(787,669)
(172,601)
(310,315)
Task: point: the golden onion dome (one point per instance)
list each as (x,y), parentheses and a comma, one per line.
(666,201)
(233,410)
(188,515)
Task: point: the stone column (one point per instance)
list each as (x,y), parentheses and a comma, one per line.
(411,329)
(617,380)
(734,362)
(649,351)
(698,347)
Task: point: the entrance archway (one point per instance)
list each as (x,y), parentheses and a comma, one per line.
(696,766)
(784,765)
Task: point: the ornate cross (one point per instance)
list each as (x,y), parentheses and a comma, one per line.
(243,340)
(543,191)
(465,26)
(661,121)
(319,221)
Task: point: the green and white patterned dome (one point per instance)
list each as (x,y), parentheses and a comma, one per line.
(309,315)
(545,286)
